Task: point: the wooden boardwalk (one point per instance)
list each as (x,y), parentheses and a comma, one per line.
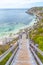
(24,56)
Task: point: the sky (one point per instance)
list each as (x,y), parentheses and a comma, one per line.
(18,3)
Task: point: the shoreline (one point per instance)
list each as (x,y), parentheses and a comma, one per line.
(15,35)
(14,32)
(7,34)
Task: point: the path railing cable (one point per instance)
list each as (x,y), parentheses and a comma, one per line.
(34,49)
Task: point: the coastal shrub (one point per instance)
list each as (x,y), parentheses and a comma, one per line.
(41,57)
(5,47)
(3,62)
(40,30)
(37,31)
(40,42)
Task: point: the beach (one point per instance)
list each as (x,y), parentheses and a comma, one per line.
(12,21)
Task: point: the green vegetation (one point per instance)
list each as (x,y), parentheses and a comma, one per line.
(41,57)
(3,62)
(5,47)
(36,33)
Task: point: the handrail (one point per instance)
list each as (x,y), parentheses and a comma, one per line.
(11,58)
(7,52)
(36,57)
(37,49)
(33,49)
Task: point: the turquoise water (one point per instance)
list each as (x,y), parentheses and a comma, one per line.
(11,20)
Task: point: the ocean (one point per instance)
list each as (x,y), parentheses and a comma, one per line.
(12,20)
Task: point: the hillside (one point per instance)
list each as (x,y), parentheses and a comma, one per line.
(36,32)
(37,11)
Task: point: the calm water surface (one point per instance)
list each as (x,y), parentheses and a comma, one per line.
(13,20)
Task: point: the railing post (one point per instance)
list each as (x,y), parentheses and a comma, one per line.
(34,50)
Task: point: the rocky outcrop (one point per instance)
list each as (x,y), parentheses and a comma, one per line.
(37,11)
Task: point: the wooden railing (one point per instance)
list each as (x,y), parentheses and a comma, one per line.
(34,49)
(7,52)
(11,58)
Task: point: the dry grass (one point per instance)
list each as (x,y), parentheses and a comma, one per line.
(5,47)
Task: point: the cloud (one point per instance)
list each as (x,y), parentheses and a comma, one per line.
(16,3)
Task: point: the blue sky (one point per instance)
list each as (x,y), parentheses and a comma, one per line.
(20,3)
